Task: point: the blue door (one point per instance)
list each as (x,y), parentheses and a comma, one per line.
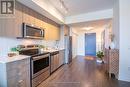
(90,44)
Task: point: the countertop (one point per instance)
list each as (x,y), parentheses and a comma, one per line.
(53,50)
(12,59)
(21,57)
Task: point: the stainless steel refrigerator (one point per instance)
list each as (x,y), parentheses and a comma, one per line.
(68,49)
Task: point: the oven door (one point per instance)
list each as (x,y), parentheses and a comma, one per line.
(40,64)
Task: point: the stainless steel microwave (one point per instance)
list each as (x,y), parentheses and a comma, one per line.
(32,32)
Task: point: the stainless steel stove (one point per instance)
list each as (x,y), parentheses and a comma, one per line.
(40,65)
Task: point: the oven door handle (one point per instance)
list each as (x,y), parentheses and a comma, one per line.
(40,57)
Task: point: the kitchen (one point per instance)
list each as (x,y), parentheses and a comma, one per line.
(64,43)
(37,37)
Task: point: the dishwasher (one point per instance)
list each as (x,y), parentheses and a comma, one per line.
(54,61)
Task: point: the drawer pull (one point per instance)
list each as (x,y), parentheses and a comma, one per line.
(20,81)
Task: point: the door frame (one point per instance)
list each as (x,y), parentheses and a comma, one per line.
(85,41)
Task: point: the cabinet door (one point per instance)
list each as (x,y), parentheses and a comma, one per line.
(54,33)
(47,31)
(18,21)
(52,64)
(18,73)
(2,27)
(58,61)
(19,81)
(26,17)
(61,58)
(57,33)
(51,32)
(41,24)
(55,62)
(9,28)
(31,17)
(38,19)
(12,27)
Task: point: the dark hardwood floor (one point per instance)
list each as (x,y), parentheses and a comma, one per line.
(82,72)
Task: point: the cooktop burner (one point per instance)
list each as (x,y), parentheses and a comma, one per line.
(32,52)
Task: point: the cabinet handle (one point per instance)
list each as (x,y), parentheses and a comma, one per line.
(20,81)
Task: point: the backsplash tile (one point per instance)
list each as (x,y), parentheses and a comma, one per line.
(7,43)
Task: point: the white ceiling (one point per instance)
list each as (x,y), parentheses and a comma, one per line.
(82,6)
(95,24)
(45,8)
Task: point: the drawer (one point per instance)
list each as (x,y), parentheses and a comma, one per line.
(24,61)
(18,71)
(11,65)
(17,64)
(36,81)
(14,82)
(24,80)
(19,80)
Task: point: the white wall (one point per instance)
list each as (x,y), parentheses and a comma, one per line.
(124,36)
(81,44)
(62,38)
(115,29)
(7,43)
(81,40)
(74,35)
(98,15)
(108,33)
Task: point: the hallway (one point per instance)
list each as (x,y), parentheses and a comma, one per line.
(82,72)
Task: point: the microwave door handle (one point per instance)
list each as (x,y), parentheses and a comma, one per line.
(41,32)
(24,30)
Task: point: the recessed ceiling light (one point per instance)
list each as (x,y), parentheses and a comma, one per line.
(87,28)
